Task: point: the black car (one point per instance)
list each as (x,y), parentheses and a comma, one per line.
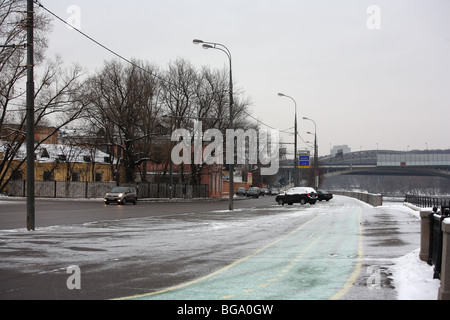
(274,192)
(300,195)
(241,191)
(265,191)
(324,195)
(254,192)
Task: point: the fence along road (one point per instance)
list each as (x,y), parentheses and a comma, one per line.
(78,189)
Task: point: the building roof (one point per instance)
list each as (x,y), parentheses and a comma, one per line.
(63,153)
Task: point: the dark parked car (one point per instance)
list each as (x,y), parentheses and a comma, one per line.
(121,195)
(241,191)
(274,192)
(324,195)
(300,195)
(254,192)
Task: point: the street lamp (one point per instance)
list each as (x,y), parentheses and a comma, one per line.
(221,47)
(30,117)
(295,140)
(316,156)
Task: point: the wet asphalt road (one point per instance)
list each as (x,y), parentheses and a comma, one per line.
(53,212)
(136,250)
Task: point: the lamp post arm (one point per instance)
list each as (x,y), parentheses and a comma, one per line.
(221,47)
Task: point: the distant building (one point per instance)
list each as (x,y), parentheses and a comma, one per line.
(282,154)
(56,162)
(303,152)
(14,132)
(339,151)
(75,155)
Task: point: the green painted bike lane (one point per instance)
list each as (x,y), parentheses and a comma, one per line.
(316,261)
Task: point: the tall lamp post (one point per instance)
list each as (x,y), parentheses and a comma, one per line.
(221,47)
(295,140)
(316,156)
(30,117)
(29,45)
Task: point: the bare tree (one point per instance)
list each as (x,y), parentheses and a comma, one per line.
(123,107)
(191,95)
(136,107)
(213,109)
(56,94)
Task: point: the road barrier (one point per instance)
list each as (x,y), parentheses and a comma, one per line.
(435,245)
(370,198)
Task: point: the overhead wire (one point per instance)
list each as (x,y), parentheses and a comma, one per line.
(97,42)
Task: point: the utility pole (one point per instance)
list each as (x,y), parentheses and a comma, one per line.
(30,117)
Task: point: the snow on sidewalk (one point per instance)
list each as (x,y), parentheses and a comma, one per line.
(413,278)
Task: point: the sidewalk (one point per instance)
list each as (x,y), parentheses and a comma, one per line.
(390,267)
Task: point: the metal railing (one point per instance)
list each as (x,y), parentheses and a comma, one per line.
(427,201)
(436,238)
(74,189)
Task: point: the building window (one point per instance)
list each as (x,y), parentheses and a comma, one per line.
(75,176)
(48,176)
(99,176)
(44,153)
(17,175)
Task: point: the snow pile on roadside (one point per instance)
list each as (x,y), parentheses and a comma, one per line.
(413,278)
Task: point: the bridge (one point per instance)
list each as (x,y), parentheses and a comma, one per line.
(384,162)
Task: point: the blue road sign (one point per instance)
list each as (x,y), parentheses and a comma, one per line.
(304,161)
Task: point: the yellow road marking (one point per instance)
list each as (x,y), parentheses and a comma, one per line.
(357,270)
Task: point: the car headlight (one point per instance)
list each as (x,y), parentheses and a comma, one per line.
(120,195)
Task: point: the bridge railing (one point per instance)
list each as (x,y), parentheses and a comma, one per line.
(427,201)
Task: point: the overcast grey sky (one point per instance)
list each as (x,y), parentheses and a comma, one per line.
(369,73)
